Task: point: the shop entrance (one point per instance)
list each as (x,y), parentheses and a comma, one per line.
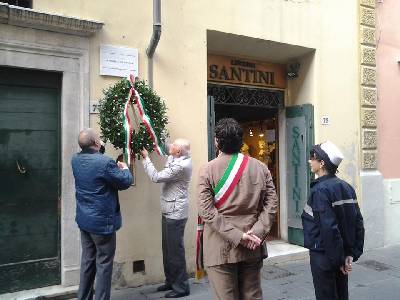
(256,109)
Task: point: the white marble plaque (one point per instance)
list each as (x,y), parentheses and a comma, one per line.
(118,61)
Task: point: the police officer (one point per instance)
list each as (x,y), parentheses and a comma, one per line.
(333,225)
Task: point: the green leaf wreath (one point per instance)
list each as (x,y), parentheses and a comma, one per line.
(112,110)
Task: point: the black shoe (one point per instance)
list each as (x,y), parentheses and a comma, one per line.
(164,288)
(173,294)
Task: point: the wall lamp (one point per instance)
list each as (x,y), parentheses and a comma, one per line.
(293,70)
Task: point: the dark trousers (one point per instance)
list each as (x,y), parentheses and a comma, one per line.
(237,281)
(329,283)
(174,254)
(97,261)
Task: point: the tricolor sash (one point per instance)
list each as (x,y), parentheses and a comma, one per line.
(228,181)
(222,191)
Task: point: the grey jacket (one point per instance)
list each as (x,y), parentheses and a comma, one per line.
(175,178)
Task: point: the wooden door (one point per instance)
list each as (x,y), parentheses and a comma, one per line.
(29,179)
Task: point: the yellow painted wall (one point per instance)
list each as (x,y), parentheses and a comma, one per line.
(328,79)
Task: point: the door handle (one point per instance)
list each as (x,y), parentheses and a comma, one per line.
(20,167)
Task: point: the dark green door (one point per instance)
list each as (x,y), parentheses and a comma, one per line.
(211,127)
(300,138)
(29,179)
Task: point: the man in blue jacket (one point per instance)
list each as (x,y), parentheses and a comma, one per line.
(97,181)
(333,225)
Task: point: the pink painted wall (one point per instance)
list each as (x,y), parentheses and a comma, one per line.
(388,55)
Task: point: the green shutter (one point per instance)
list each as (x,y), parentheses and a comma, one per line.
(300,138)
(211,126)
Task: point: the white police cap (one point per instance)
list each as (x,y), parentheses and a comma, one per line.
(333,152)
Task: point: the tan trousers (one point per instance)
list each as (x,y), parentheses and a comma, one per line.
(239,281)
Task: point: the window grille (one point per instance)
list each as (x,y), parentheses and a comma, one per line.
(236,95)
(21,3)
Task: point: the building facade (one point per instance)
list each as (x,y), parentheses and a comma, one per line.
(293,73)
(388,76)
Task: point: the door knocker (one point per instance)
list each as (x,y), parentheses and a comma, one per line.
(21,168)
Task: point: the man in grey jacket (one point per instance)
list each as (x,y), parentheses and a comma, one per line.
(175,178)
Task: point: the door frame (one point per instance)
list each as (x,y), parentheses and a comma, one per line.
(19,48)
(211,127)
(306,110)
(283,209)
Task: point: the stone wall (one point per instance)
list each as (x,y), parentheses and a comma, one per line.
(368,85)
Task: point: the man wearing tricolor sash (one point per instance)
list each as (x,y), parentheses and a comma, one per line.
(237,201)
(175,179)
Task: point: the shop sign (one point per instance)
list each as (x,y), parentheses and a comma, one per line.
(232,70)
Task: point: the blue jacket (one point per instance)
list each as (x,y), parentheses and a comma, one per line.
(97,181)
(332,221)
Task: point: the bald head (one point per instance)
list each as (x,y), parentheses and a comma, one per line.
(183,145)
(89,138)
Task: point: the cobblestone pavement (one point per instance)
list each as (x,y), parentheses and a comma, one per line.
(375,276)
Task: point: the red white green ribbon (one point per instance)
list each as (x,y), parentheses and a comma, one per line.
(157,145)
(199,249)
(128,130)
(231,177)
(222,191)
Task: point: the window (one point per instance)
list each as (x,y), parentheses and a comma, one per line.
(21,3)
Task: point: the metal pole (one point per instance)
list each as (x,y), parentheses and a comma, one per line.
(155,38)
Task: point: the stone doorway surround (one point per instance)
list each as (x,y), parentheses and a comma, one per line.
(37,40)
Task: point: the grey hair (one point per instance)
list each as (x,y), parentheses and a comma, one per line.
(184,146)
(88,138)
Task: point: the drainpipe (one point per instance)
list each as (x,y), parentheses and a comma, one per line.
(154,38)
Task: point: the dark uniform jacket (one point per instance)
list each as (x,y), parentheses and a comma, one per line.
(97,181)
(332,221)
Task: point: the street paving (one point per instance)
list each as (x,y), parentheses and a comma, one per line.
(375,276)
